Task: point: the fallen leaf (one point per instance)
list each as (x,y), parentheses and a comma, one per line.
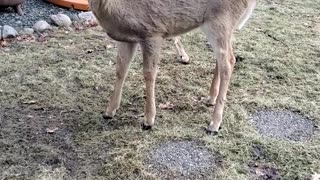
(259,172)
(315,177)
(199,99)
(167,106)
(30,116)
(3,43)
(90,51)
(51,130)
(30,102)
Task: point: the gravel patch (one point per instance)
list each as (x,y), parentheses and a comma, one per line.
(34,10)
(182,159)
(284,125)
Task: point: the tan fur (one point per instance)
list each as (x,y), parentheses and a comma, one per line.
(182,55)
(149,22)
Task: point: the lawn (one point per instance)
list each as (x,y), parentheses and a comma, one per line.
(53,93)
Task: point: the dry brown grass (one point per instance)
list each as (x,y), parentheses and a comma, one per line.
(73,74)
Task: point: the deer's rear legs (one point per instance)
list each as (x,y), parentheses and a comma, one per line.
(126,52)
(151,56)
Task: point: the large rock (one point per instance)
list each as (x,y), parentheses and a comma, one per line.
(41,26)
(8,32)
(61,20)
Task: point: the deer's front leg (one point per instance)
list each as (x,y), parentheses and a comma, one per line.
(151,56)
(126,52)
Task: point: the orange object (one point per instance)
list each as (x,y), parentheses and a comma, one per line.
(74,4)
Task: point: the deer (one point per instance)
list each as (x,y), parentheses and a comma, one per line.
(149,22)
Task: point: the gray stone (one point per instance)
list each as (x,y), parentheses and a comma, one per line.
(28,31)
(87,16)
(8,32)
(41,26)
(74,17)
(61,20)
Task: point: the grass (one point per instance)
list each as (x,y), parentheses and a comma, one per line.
(70,76)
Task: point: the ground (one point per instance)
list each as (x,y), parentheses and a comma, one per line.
(53,92)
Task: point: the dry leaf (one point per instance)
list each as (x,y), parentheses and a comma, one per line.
(51,130)
(30,102)
(141,115)
(30,116)
(167,106)
(3,43)
(315,177)
(90,51)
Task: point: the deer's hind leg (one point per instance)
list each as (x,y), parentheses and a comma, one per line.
(214,89)
(126,52)
(220,36)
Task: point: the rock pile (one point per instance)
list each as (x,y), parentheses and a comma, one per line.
(60,20)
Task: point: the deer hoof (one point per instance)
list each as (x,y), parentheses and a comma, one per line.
(183,60)
(146,127)
(105,116)
(212,132)
(210,102)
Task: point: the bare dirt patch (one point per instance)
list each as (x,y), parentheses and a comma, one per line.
(183,159)
(264,172)
(35,139)
(258,168)
(283,125)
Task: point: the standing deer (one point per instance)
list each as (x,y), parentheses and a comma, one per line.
(149,22)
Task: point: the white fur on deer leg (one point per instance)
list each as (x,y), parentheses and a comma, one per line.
(211,101)
(184,59)
(109,115)
(147,125)
(213,129)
